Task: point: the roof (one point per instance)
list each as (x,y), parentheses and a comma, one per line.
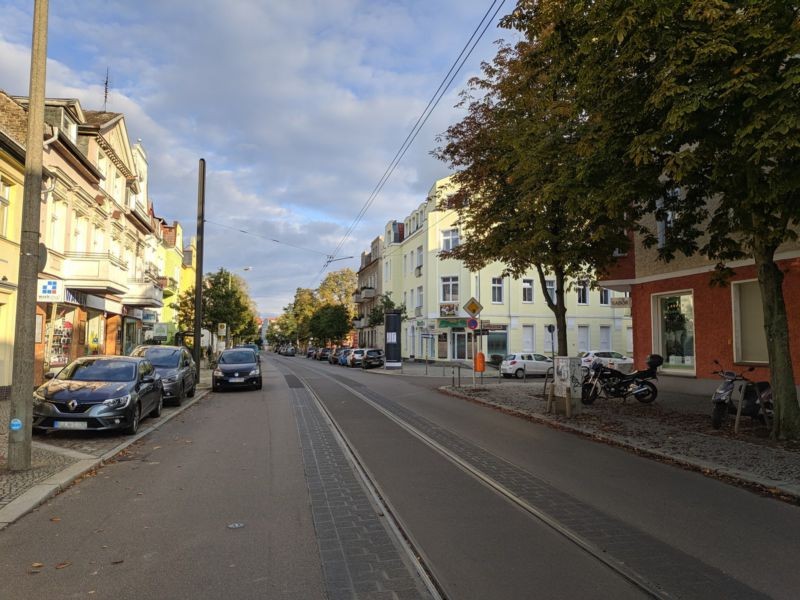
(99,118)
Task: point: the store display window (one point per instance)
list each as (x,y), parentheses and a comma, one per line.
(60,332)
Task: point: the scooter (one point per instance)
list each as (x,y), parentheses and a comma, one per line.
(755,398)
(616,384)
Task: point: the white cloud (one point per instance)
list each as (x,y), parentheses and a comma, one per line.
(298,108)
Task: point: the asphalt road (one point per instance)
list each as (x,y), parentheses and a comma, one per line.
(154,525)
(497,508)
(694,537)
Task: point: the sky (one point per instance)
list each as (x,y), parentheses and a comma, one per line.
(298,108)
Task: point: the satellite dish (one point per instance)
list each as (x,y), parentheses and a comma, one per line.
(42,257)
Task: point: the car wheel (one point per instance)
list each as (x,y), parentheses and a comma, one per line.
(156,412)
(519,373)
(133,427)
(179,398)
(260,384)
(193,389)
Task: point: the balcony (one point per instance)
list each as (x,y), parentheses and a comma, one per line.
(95,271)
(367,293)
(417,311)
(418,271)
(143,293)
(357,298)
(169,286)
(359,323)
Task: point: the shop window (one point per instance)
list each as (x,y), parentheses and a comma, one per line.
(675,329)
(750,340)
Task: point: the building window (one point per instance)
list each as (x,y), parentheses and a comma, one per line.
(550,289)
(405,263)
(605,296)
(675,330)
(497,290)
(449,289)
(749,338)
(5,203)
(419,256)
(665,218)
(527,290)
(583,293)
(450,239)
(387,270)
(419,296)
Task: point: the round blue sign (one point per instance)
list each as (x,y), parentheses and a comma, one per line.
(15,425)
(472,323)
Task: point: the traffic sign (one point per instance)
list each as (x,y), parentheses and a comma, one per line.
(472,323)
(473,307)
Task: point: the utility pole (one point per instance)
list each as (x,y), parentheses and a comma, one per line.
(198,281)
(21,418)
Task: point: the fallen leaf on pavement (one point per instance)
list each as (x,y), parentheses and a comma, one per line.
(118,561)
(63,565)
(156,447)
(37,565)
(55,519)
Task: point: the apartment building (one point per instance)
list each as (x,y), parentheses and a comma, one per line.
(368,296)
(514,317)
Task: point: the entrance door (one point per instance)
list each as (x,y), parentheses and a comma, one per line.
(460,346)
(605,337)
(528,336)
(583,338)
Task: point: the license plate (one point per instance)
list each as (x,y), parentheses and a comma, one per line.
(70,424)
(236,379)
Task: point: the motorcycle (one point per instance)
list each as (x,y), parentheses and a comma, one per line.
(754,396)
(615,384)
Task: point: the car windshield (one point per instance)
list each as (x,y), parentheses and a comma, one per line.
(165,358)
(237,357)
(510,357)
(374,352)
(100,369)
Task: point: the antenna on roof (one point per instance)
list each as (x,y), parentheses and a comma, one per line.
(105,92)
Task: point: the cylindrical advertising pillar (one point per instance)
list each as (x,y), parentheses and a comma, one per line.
(394,357)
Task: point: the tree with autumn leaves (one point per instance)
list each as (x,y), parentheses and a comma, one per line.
(606,112)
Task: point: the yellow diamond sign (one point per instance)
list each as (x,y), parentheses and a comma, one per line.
(473,307)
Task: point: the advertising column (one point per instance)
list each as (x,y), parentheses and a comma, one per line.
(393,321)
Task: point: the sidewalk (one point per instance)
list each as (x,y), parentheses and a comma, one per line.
(675,428)
(57,460)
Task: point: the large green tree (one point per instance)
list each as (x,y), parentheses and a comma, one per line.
(338,287)
(330,323)
(694,104)
(518,154)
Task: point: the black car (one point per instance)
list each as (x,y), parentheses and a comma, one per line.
(176,367)
(253,347)
(323,353)
(236,367)
(99,393)
(373,357)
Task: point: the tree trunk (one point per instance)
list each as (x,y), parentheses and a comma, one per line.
(776,326)
(561,314)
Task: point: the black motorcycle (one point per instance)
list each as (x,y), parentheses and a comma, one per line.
(754,396)
(615,384)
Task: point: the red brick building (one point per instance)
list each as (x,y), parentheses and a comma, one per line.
(678,313)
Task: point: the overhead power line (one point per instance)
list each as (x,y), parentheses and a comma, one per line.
(264,237)
(456,67)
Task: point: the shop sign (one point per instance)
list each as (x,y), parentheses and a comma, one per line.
(623,302)
(49,290)
(149,317)
(71,297)
(160,331)
(450,323)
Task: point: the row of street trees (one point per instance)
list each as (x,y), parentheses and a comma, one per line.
(325,314)
(605,112)
(226,299)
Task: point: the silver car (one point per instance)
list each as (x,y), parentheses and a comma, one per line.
(176,367)
(521,364)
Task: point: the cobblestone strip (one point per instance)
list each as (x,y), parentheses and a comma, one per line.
(359,558)
(44,464)
(670,569)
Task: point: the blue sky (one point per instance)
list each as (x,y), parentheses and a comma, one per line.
(297,106)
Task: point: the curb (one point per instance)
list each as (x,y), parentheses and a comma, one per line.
(787,492)
(44,490)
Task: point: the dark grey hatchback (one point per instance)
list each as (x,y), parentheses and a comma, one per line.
(176,367)
(99,393)
(236,367)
